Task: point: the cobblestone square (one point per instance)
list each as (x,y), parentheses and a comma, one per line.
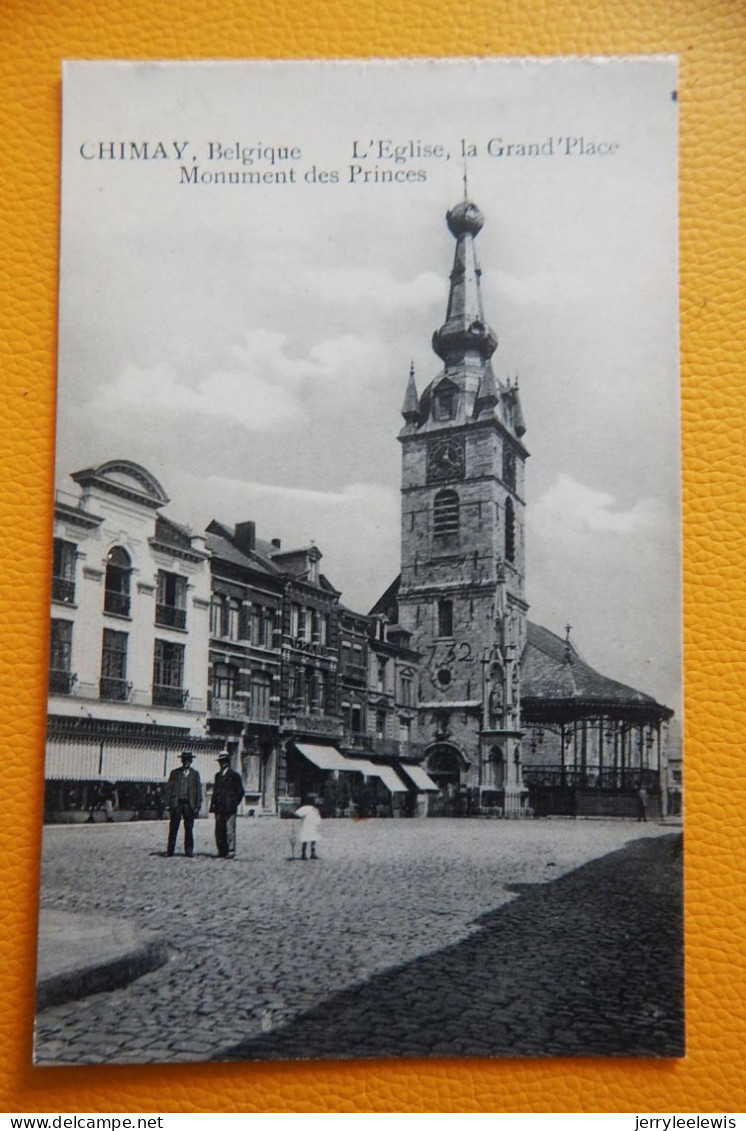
(405,938)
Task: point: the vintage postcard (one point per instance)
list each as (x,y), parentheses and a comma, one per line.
(364,731)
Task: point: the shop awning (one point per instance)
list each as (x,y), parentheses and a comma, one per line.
(325,757)
(72,760)
(329,758)
(133,763)
(422,781)
(118,760)
(388,776)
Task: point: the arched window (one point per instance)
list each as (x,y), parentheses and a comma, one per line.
(446,514)
(509,531)
(117,584)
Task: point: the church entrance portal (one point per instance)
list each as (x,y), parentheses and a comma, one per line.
(444,764)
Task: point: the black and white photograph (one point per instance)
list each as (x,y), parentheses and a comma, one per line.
(365,693)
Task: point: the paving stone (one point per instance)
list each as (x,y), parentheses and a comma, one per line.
(390,897)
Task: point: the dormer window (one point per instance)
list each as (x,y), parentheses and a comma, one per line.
(445,405)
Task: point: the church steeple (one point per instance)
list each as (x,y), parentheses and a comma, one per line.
(464,330)
(461,592)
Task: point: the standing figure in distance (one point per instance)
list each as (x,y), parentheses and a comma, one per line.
(310,827)
(227,795)
(642,803)
(183,797)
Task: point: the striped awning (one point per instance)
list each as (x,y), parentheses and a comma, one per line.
(86,758)
(75,759)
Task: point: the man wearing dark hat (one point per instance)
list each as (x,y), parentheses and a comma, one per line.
(227,795)
(183,797)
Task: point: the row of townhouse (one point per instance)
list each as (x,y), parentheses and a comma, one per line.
(162,640)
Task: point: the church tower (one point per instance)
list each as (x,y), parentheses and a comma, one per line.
(461,593)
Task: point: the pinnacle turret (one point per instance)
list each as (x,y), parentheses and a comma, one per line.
(410,410)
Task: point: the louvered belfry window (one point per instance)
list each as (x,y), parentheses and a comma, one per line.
(446,513)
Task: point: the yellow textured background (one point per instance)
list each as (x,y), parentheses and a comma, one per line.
(710,38)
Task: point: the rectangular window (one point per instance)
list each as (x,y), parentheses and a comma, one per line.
(61,679)
(445,618)
(294,686)
(113,683)
(509,466)
(261,695)
(168,675)
(234,619)
(244,621)
(258,626)
(446,405)
(63,571)
(170,608)
(323,691)
(216,616)
(224,681)
(405,693)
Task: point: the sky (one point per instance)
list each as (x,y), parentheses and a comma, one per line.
(250,343)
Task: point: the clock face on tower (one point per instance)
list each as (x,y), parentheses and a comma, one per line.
(445,460)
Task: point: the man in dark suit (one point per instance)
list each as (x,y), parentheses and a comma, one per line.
(227,795)
(183,797)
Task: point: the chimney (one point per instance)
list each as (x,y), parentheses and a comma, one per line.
(245,537)
(276,543)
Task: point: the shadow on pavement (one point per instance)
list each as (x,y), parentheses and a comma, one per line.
(589,964)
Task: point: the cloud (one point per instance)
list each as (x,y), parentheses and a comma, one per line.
(356,528)
(368,497)
(377,289)
(576,507)
(259,385)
